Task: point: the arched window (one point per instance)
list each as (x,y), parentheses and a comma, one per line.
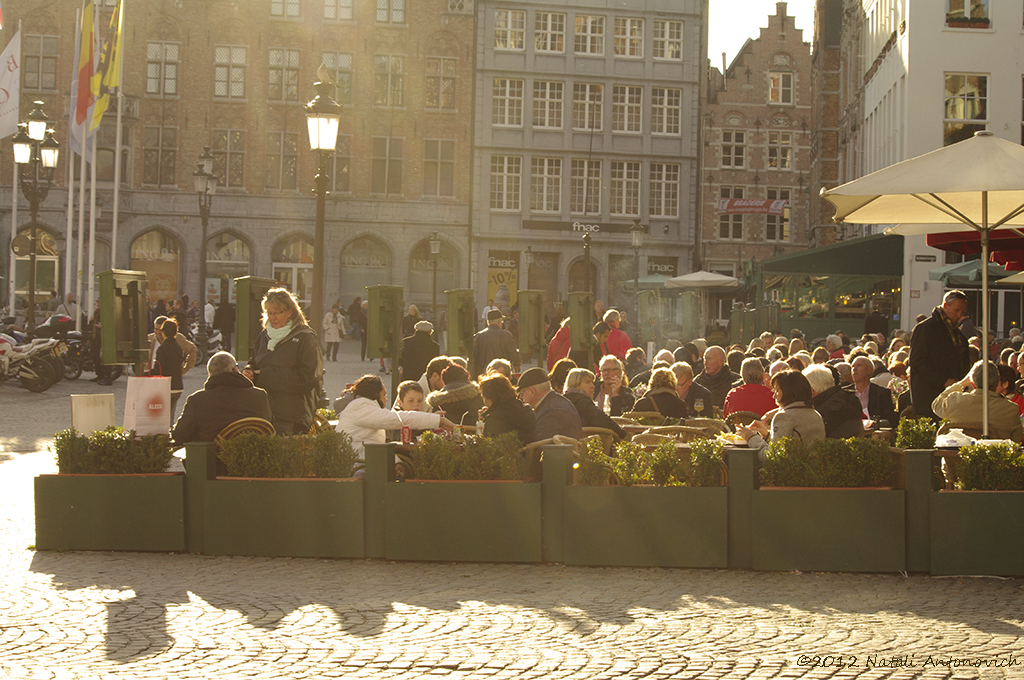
(421,273)
(227,257)
(293,266)
(156,253)
(364,262)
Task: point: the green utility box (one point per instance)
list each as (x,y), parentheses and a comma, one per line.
(649,323)
(461,322)
(531,323)
(384,321)
(249,292)
(123,315)
(581,322)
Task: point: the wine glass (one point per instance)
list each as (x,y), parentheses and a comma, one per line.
(698,406)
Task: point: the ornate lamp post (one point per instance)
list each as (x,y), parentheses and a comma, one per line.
(435,252)
(36,153)
(637,232)
(322,117)
(206,186)
(528,258)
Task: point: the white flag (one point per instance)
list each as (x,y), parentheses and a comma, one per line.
(10,86)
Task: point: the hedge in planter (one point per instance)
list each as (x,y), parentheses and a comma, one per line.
(468,457)
(634,465)
(326,454)
(853,462)
(111,494)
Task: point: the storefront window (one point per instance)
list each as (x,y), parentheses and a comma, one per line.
(156,253)
(421,273)
(293,267)
(227,257)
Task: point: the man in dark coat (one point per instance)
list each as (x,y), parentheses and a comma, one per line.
(224,321)
(417,351)
(169,359)
(555,414)
(492,343)
(716,377)
(939,355)
(226,397)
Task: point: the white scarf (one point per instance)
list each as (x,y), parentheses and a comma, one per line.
(276,335)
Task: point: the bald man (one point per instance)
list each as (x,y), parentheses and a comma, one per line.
(716,376)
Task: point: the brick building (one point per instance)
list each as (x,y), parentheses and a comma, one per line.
(234,75)
(758,128)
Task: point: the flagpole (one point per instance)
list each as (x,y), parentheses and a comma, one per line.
(81,237)
(11,284)
(117,143)
(92,229)
(69,158)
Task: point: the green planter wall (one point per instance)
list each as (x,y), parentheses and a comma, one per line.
(110,512)
(977,532)
(647,526)
(271,517)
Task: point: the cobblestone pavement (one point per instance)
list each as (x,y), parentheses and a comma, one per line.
(146,615)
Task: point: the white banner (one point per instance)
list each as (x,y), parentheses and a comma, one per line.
(10,86)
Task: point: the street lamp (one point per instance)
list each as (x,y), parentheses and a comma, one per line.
(322,117)
(36,153)
(528,258)
(206,186)
(637,232)
(435,251)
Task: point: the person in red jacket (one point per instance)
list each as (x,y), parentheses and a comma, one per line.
(560,344)
(618,342)
(753,395)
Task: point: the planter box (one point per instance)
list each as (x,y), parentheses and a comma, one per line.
(463,521)
(828,529)
(977,532)
(283,517)
(110,512)
(647,526)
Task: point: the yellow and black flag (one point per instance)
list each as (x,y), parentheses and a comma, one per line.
(108,72)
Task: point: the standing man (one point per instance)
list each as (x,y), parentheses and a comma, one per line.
(169,359)
(618,342)
(939,354)
(493,342)
(354,310)
(417,351)
(224,321)
(487,310)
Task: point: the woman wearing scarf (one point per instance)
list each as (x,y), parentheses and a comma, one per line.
(285,361)
(332,326)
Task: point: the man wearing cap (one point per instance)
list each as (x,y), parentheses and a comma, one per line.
(493,343)
(417,351)
(555,414)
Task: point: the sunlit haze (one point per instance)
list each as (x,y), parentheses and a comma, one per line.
(733,21)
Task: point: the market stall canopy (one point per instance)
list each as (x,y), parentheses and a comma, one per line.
(703,279)
(965,273)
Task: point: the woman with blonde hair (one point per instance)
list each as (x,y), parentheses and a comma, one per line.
(661,396)
(285,361)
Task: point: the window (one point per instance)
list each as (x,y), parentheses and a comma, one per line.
(387,166)
(506,182)
(39,58)
(284,75)
(967,10)
(664,198)
(629,37)
(666,110)
(668,40)
(160,145)
(776,227)
(509,29)
(341,161)
(627,108)
(733,149)
(780,88)
(589,36)
(388,80)
(966,106)
(161,68)
(337,9)
(625,188)
(390,11)
(585,188)
(586,106)
(229,71)
(340,64)
(547,104)
(507,102)
(282,160)
(440,83)
(546,185)
(439,167)
(229,157)
(549,32)
(730,226)
(284,8)
(780,150)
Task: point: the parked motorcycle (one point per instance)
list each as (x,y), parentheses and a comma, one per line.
(214,342)
(80,355)
(27,362)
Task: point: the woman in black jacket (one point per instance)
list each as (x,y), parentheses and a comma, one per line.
(579,389)
(504,412)
(459,399)
(661,396)
(286,362)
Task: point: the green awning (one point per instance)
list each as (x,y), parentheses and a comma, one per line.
(878,255)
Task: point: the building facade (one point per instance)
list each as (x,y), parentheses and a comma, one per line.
(234,76)
(758,131)
(587,120)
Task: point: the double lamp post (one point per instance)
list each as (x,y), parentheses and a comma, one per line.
(206,186)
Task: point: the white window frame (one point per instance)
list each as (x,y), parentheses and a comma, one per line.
(963,109)
(549,32)
(668,40)
(441,78)
(548,104)
(443,162)
(390,11)
(734,149)
(780,150)
(284,8)
(506,182)
(624,187)
(507,102)
(629,37)
(664,190)
(587,110)
(286,160)
(588,34)
(229,156)
(666,110)
(160,153)
(781,88)
(43,51)
(340,64)
(284,64)
(730,224)
(390,163)
(627,108)
(779,224)
(389,80)
(585,187)
(229,66)
(162,60)
(546,185)
(510,30)
(338,10)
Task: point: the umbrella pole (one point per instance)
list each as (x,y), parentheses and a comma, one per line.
(984,311)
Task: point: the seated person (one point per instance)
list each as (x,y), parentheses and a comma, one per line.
(579,389)
(226,397)
(753,395)
(661,396)
(958,406)
(555,414)
(875,401)
(504,412)
(794,418)
(502,366)
(687,390)
(459,400)
(410,398)
(558,373)
(613,384)
(636,362)
(838,406)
